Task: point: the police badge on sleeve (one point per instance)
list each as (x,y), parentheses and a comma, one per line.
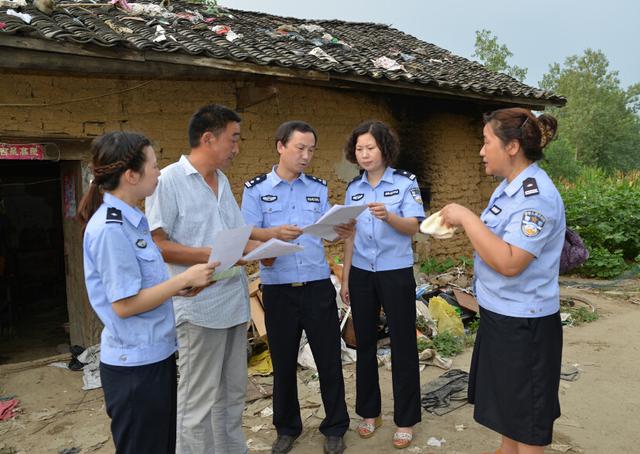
(532,223)
(415,193)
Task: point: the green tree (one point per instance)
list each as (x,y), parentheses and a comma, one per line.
(494,56)
(600,123)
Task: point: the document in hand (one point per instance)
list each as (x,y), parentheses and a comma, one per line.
(272,248)
(228,246)
(338,214)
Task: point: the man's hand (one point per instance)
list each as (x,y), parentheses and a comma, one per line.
(346,231)
(268,262)
(192,291)
(287,232)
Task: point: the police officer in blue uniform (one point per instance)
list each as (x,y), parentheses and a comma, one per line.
(378,271)
(297,292)
(130,290)
(518,239)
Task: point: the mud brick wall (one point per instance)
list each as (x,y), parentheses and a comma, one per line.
(439,144)
(455,172)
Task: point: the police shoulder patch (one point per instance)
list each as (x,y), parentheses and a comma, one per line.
(114,216)
(404,173)
(255,180)
(530,187)
(415,193)
(532,223)
(317,180)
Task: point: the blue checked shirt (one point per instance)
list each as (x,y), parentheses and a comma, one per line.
(190,213)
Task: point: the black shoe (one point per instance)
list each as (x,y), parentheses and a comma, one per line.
(283,444)
(334,445)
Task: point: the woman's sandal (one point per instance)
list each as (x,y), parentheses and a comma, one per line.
(402,439)
(367,429)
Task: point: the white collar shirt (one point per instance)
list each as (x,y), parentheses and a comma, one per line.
(191,214)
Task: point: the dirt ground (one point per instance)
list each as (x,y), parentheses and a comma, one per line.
(599,410)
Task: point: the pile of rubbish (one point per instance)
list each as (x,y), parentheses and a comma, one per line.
(442,311)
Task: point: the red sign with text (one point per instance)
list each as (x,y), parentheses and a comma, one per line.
(25,151)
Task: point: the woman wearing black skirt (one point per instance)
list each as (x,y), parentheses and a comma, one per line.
(515,369)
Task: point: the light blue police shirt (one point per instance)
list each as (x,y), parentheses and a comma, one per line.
(377,245)
(120,259)
(270,201)
(527,213)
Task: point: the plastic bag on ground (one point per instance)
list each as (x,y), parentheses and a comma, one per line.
(446,316)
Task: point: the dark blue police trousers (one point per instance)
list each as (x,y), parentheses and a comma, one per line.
(141,402)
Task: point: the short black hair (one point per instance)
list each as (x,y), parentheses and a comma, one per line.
(212,118)
(286,129)
(386,139)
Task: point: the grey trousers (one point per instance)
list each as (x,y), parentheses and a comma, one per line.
(211,389)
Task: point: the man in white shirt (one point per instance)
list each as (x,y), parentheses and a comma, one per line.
(192,203)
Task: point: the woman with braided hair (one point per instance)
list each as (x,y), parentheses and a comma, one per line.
(515,368)
(130,290)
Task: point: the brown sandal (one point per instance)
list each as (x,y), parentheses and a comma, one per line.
(367,429)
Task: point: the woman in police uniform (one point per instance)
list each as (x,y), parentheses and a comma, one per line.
(129,289)
(515,369)
(378,271)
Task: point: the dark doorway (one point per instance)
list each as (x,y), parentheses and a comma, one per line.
(33,300)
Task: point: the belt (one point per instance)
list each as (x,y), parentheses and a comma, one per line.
(298,284)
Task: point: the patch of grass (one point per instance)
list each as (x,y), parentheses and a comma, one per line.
(580,315)
(421,324)
(474,324)
(469,340)
(423,344)
(446,344)
(466,262)
(434,266)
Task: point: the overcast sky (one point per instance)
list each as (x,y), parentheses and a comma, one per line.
(538,32)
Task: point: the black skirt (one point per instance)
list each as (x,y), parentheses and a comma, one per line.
(515,376)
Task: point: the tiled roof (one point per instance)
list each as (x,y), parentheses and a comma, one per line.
(334,47)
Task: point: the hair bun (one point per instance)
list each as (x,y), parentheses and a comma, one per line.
(548,127)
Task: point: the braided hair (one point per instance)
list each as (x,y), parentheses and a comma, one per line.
(112,155)
(533,133)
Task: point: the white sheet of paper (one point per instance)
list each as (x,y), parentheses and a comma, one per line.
(337,214)
(228,246)
(272,248)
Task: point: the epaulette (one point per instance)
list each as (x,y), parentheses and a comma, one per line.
(404,173)
(255,180)
(359,177)
(530,187)
(317,180)
(114,216)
